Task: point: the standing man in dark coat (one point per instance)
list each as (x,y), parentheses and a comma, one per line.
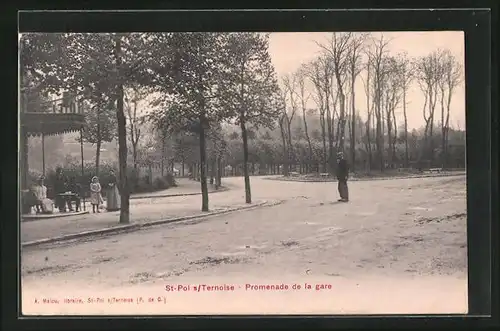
(342,174)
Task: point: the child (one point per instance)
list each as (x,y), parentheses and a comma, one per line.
(95,194)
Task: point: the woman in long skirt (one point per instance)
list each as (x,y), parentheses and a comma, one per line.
(95,194)
(112,193)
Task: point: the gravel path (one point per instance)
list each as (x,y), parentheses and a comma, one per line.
(396,239)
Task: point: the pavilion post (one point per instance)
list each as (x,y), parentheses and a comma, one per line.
(43,154)
(81,152)
(24,158)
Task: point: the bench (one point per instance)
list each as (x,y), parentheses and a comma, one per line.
(435,170)
(294,174)
(324,174)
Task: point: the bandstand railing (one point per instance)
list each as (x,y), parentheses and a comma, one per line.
(56,106)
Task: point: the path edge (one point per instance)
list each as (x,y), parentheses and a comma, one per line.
(136,226)
(334,180)
(138,197)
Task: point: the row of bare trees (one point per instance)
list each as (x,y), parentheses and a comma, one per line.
(330,82)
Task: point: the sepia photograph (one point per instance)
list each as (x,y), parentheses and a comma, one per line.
(242,173)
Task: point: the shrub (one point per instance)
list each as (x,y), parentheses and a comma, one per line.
(142,185)
(133,179)
(160,183)
(137,184)
(170,179)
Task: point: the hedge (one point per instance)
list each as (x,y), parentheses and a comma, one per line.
(137,184)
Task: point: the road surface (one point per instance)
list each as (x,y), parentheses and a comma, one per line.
(399,246)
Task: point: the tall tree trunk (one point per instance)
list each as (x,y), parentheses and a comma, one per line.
(431,125)
(122,140)
(447,125)
(342,119)
(244,137)
(212,171)
(97,156)
(218,180)
(135,165)
(203,175)
(291,151)
(329,127)
(342,113)
(369,109)
(98,147)
(163,156)
(330,136)
(323,136)
(216,172)
(379,136)
(443,131)
(134,156)
(406,128)
(423,150)
(369,142)
(285,149)
(353,121)
(388,120)
(395,136)
(24,165)
(310,156)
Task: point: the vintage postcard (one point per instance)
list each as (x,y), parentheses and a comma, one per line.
(242,173)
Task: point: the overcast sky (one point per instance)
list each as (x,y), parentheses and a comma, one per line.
(290,49)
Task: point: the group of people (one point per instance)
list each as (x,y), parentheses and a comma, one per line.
(112,194)
(68,191)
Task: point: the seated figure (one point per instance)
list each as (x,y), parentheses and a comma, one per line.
(43,205)
(28,201)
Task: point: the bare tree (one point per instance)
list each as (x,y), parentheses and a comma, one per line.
(451,78)
(377,53)
(328,88)
(290,98)
(429,72)
(304,97)
(393,89)
(355,66)
(406,72)
(133,97)
(323,81)
(314,72)
(338,50)
(369,112)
